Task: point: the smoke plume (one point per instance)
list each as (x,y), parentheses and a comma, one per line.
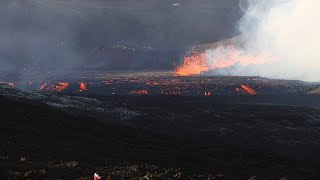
(287,30)
(65,35)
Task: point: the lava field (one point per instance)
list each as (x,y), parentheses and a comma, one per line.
(157,124)
(158,83)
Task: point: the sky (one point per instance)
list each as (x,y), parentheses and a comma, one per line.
(113,34)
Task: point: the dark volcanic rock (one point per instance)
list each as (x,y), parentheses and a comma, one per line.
(263,140)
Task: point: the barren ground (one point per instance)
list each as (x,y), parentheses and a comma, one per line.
(169,137)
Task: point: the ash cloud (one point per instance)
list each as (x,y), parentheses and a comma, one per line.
(34,36)
(61,34)
(287,29)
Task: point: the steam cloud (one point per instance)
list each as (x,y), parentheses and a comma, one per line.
(286,29)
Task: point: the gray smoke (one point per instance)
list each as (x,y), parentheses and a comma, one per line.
(33,35)
(288,30)
(68,34)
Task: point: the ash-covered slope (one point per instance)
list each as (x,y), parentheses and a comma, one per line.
(186,138)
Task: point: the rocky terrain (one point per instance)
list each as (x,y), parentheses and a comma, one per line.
(159,137)
(67,110)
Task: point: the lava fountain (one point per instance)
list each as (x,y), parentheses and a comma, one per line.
(193,65)
(220,57)
(83,87)
(60,87)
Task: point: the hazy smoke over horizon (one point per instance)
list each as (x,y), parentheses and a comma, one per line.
(288,30)
(111,34)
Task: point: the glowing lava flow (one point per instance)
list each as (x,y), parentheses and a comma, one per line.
(192,65)
(83,87)
(60,87)
(218,58)
(248,89)
(140,92)
(42,86)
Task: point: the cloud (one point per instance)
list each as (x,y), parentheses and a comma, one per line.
(286,29)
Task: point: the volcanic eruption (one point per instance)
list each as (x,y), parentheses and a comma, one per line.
(220,58)
(88,86)
(279,40)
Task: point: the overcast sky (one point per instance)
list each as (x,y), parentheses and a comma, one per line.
(33,29)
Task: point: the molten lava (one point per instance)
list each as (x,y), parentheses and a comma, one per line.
(42,86)
(60,87)
(218,58)
(140,92)
(83,87)
(248,89)
(192,65)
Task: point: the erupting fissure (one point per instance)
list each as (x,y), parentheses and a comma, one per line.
(221,57)
(192,65)
(150,85)
(42,86)
(83,87)
(60,87)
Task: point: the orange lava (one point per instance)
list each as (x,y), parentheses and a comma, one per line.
(248,89)
(83,87)
(42,86)
(218,58)
(60,87)
(140,92)
(192,65)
